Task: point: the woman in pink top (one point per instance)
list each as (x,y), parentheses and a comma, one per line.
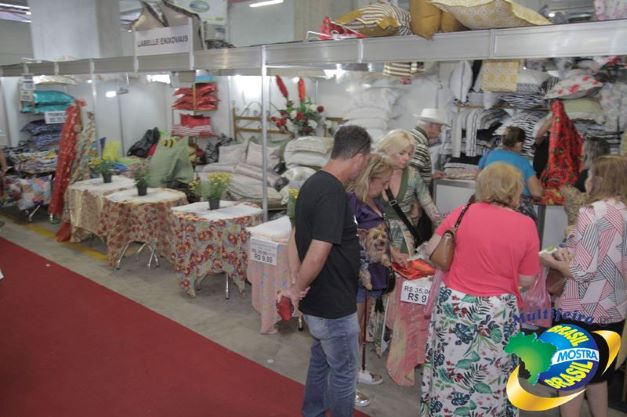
(473,318)
(594,260)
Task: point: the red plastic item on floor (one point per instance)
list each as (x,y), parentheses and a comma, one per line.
(72,348)
(416,268)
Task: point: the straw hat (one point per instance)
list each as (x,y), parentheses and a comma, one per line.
(433,116)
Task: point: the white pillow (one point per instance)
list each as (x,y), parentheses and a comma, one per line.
(232,154)
(383,98)
(370,123)
(527,76)
(365,112)
(376,134)
(317,144)
(254,155)
(308,159)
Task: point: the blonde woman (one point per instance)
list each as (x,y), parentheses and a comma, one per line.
(473,318)
(364,197)
(594,262)
(409,327)
(408,190)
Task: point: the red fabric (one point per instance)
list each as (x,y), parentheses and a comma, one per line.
(493,246)
(331,30)
(565,155)
(67,154)
(416,268)
(72,348)
(195,120)
(152,149)
(285,308)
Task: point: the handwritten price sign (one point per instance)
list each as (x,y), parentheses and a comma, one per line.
(263,251)
(416,291)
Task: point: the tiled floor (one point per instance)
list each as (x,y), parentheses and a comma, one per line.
(232,323)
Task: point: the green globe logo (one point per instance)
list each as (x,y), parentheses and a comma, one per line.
(564,357)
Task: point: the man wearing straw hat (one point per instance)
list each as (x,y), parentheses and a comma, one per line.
(426,134)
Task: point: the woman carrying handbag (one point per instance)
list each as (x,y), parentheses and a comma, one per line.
(491,250)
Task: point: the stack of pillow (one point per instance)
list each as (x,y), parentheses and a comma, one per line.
(47,100)
(372,109)
(200,97)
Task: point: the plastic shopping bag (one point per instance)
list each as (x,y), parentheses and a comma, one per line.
(536,308)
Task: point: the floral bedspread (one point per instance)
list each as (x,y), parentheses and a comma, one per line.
(26,193)
(211,241)
(85,200)
(127,217)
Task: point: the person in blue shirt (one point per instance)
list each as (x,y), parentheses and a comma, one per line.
(510,153)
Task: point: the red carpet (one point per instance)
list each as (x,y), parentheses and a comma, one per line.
(72,348)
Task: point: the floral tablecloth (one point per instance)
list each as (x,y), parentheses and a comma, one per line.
(127,217)
(211,241)
(85,200)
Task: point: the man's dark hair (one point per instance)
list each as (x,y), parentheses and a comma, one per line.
(349,141)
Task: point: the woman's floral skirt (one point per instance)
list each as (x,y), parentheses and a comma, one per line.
(467,367)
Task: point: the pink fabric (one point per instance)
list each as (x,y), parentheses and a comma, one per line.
(493,246)
(410,329)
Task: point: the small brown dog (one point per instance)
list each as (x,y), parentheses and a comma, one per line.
(375,242)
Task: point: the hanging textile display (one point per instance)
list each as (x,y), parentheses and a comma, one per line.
(67,153)
(565,156)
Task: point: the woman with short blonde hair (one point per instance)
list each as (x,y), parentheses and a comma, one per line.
(500,183)
(395,141)
(496,251)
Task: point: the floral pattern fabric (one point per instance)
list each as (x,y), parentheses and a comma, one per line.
(467,367)
(127,217)
(565,156)
(26,193)
(203,243)
(85,200)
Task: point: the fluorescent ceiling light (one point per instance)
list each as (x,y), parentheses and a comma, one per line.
(111,94)
(265,3)
(15,6)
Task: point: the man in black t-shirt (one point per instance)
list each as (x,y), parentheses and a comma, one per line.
(323,255)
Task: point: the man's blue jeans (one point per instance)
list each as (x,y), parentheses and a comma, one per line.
(333,366)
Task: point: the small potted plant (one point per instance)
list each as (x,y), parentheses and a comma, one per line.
(217,183)
(141,180)
(103,167)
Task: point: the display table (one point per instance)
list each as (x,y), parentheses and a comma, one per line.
(267,278)
(212,241)
(85,200)
(127,217)
(410,330)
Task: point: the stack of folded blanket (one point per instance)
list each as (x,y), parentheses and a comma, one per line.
(193,125)
(43,136)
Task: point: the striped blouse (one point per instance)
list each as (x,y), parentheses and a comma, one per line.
(599,248)
(421,160)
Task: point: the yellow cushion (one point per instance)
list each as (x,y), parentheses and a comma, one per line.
(377,20)
(425,18)
(491,14)
(450,24)
(500,75)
